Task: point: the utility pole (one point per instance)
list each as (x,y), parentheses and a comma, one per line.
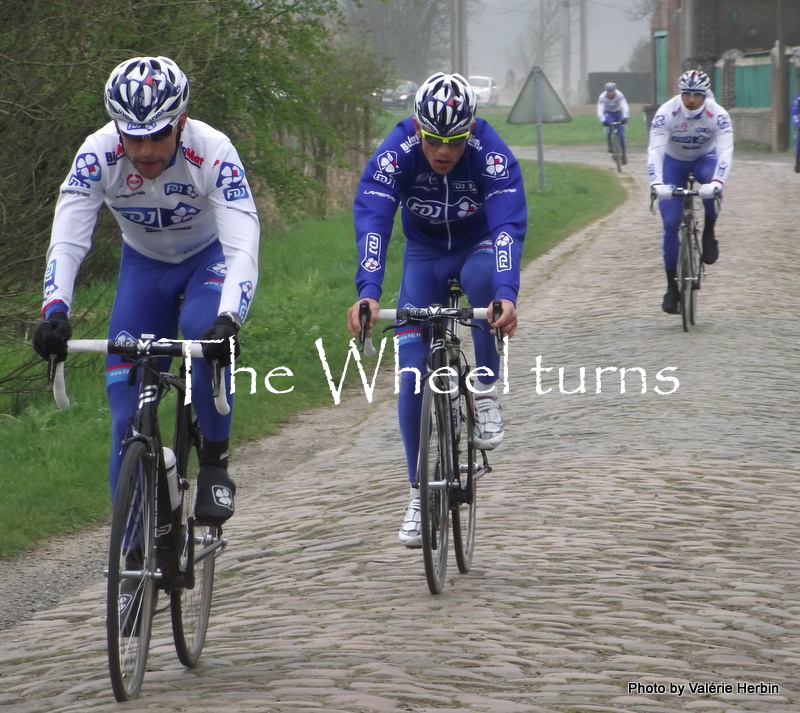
(780,138)
(458,36)
(565,68)
(584,80)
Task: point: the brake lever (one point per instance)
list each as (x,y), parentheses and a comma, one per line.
(52,363)
(365,344)
(497,311)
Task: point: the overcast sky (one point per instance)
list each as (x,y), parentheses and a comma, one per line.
(497,24)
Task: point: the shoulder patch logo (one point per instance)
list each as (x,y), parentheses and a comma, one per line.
(496,165)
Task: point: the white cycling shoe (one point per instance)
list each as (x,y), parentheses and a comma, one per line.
(411,530)
(489,428)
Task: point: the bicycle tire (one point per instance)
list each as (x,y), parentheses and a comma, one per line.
(684,277)
(131,543)
(616,148)
(190,605)
(463,510)
(434,469)
(697,272)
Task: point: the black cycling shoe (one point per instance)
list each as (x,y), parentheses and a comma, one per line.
(624,159)
(215,491)
(797,165)
(710,249)
(671,302)
(709,241)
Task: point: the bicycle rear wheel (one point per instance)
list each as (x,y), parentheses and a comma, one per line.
(434,469)
(616,148)
(190,604)
(131,597)
(463,505)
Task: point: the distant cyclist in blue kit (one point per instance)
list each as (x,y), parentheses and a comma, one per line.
(464,215)
(691,133)
(613,106)
(190,235)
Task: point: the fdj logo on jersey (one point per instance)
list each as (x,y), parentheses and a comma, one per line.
(87,168)
(496,165)
(424,209)
(184,189)
(502,251)
(163,218)
(372,257)
(50,280)
(231,177)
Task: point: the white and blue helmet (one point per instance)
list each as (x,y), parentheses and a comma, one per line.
(445,104)
(144,94)
(695,82)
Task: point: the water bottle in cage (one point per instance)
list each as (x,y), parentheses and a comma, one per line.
(172,478)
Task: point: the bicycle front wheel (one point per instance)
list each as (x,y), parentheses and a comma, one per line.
(697,272)
(190,604)
(685,278)
(131,598)
(434,475)
(463,505)
(616,149)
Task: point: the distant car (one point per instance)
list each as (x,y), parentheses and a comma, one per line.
(486,90)
(401,96)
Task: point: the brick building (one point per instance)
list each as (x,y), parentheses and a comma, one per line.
(718,36)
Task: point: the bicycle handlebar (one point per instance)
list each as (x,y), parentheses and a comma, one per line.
(682,192)
(417,315)
(144,347)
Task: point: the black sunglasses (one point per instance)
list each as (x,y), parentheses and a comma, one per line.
(159,135)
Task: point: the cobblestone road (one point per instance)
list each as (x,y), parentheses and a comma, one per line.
(633,547)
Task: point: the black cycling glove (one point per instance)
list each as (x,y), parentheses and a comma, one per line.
(52,335)
(223,328)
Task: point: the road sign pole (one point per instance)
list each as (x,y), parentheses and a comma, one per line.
(537,102)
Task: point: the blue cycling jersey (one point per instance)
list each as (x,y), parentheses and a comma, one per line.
(482,197)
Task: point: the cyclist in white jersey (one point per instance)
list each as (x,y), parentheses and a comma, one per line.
(190,234)
(691,133)
(613,106)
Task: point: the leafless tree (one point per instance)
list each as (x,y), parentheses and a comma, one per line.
(541,43)
(641,9)
(413,35)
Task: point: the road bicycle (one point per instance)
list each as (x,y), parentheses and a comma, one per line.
(449,463)
(617,154)
(155,544)
(690,269)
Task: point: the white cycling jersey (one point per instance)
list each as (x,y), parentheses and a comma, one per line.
(686,136)
(201,197)
(610,106)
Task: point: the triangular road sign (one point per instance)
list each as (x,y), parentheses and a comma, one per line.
(538,103)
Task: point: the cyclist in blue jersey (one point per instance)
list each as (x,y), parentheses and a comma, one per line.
(613,106)
(464,215)
(691,133)
(190,234)
(796,121)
